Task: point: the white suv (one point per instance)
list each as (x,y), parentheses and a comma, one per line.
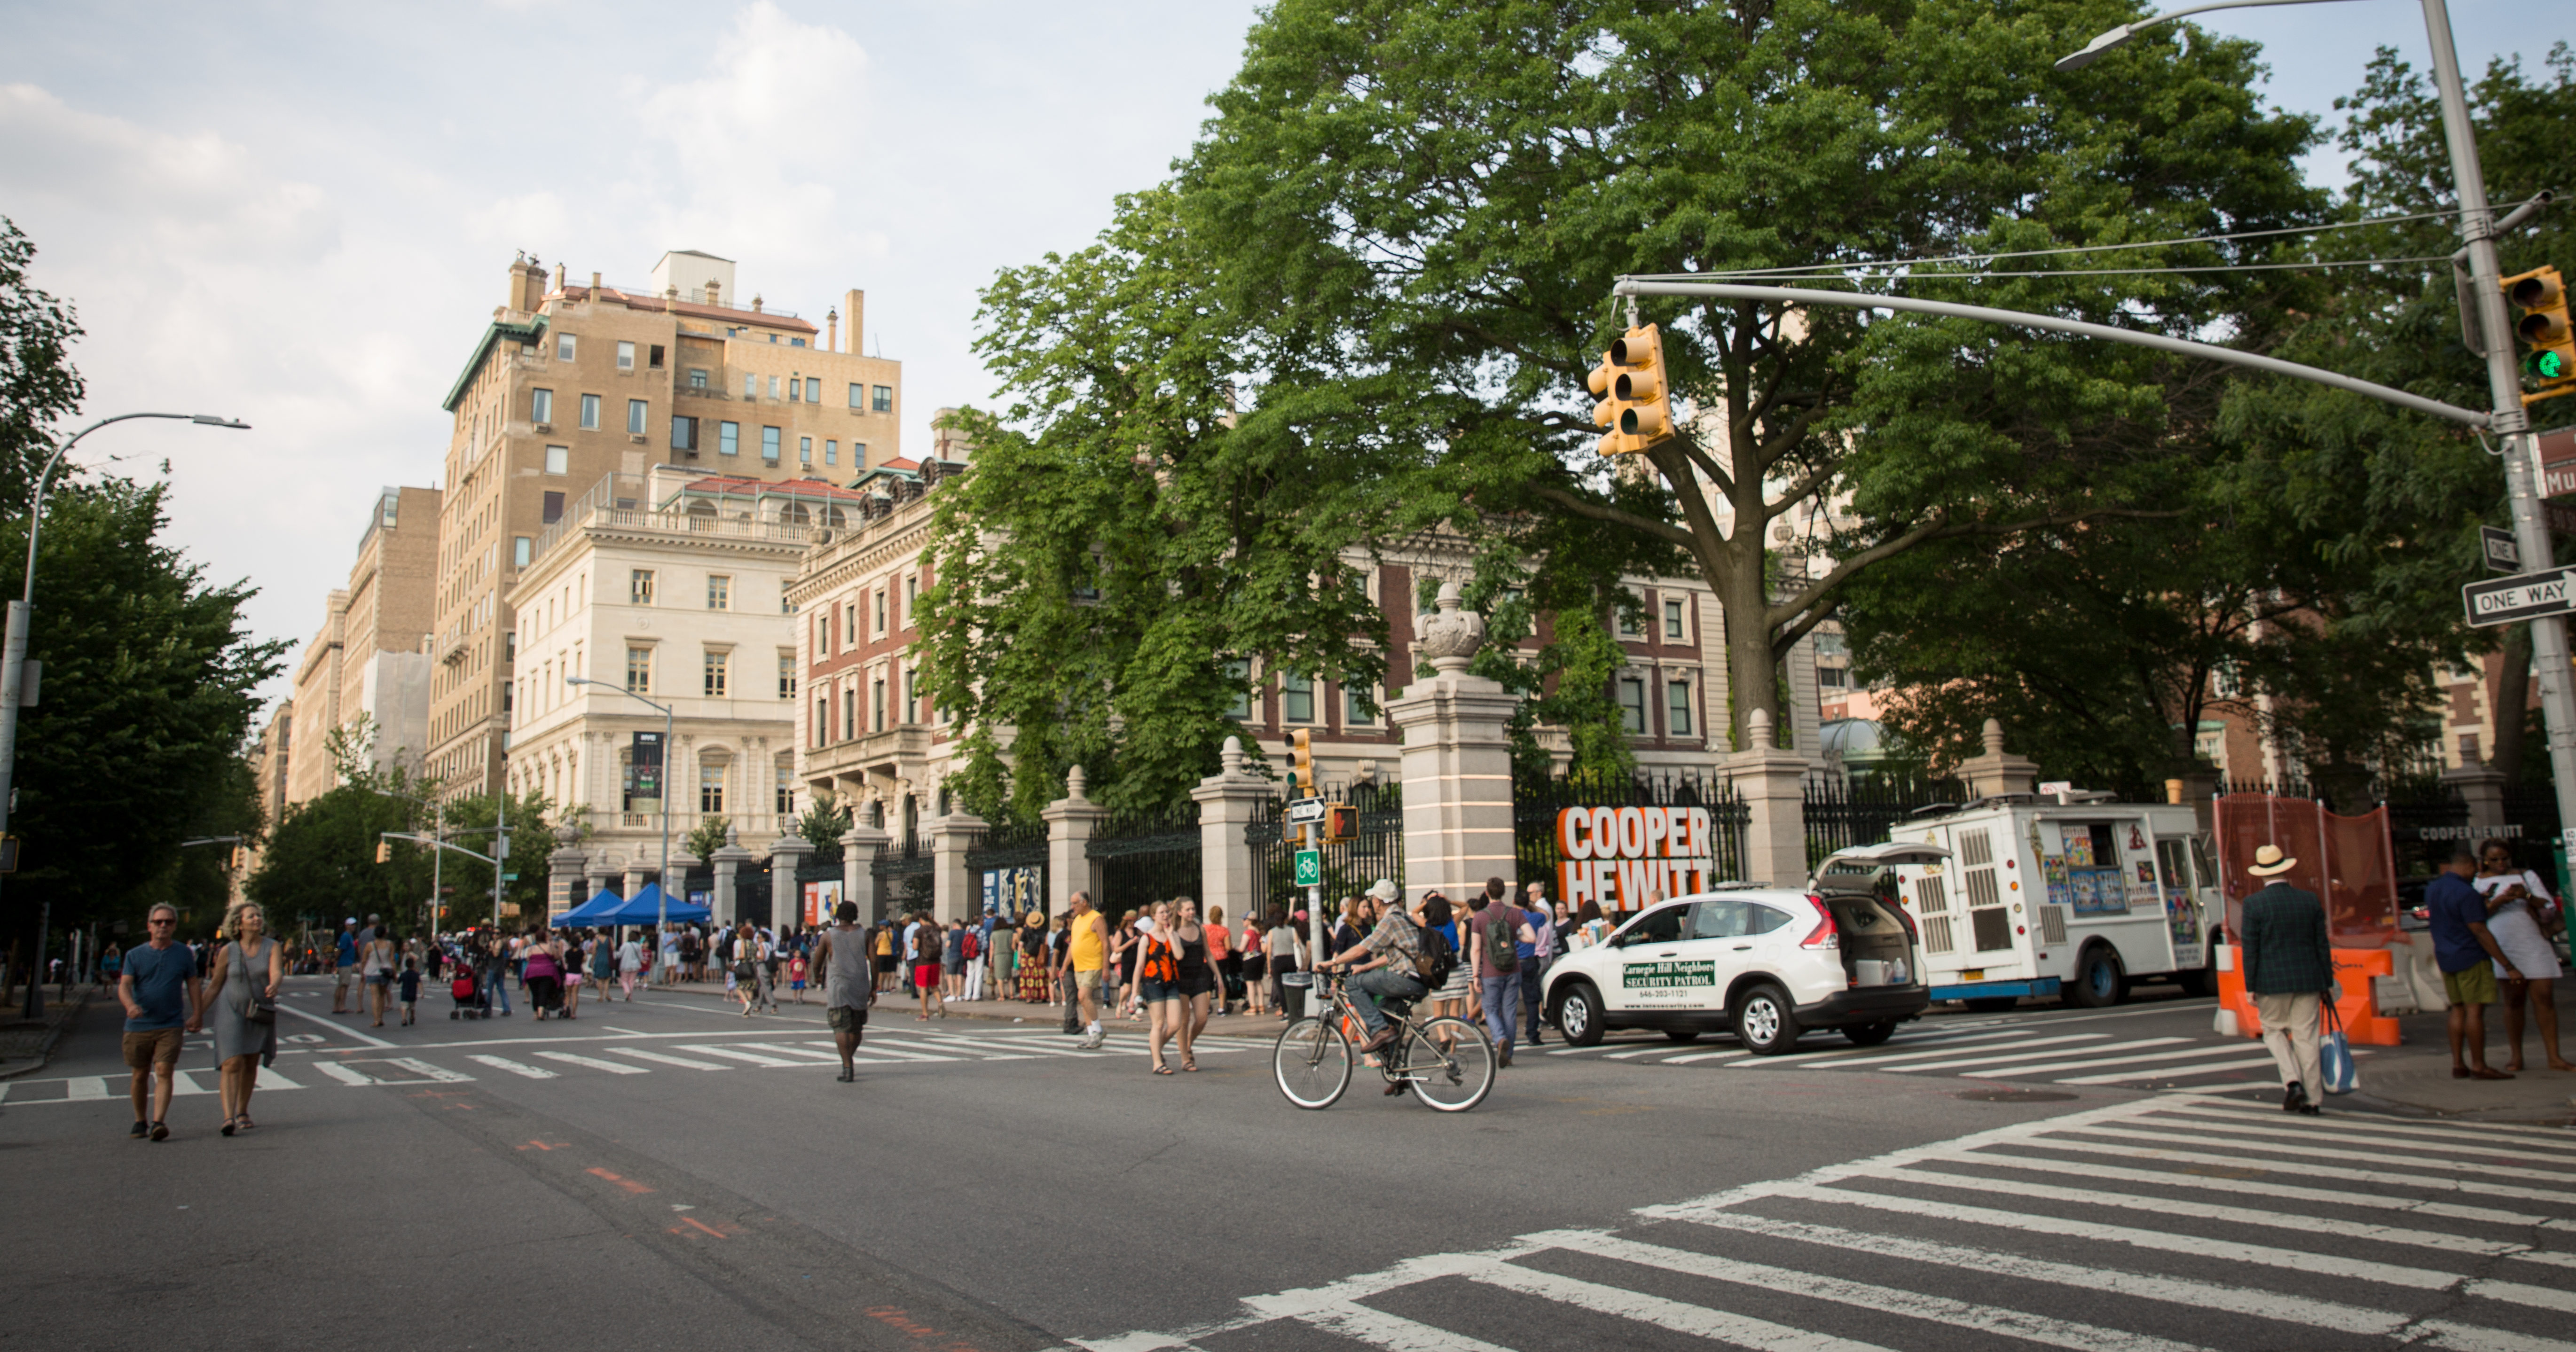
(1767,962)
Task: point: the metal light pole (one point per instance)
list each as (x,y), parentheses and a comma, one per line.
(661,884)
(2510,420)
(13,650)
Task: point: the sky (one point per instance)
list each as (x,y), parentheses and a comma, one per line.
(300,214)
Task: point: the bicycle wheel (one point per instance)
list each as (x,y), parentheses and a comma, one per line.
(1313,1063)
(1450,1064)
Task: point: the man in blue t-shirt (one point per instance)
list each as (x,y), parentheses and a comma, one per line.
(2468,957)
(161,993)
(344,961)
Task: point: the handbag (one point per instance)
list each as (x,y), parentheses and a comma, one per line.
(254,1008)
(2334,1057)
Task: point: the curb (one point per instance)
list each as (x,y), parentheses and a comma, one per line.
(53,1036)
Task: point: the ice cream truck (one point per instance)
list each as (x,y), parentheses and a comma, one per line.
(2068,895)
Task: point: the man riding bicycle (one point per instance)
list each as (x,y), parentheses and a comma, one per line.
(1384,965)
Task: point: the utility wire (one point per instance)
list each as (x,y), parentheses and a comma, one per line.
(2121,272)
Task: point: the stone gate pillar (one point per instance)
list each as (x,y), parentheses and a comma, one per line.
(1772,782)
(1457,760)
(860,846)
(727,861)
(566,870)
(1070,821)
(786,901)
(1229,801)
(953,895)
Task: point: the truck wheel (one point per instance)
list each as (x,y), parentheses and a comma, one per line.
(2100,982)
(1766,1022)
(1578,1015)
(2201,982)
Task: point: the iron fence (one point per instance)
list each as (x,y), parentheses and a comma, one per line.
(903,872)
(1349,867)
(1008,867)
(1147,856)
(1842,813)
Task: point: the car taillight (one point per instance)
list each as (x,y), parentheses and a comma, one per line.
(1824,935)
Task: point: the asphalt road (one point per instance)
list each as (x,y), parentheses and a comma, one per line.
(665,1173)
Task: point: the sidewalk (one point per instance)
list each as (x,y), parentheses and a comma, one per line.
(25,1044)
(2414,1078)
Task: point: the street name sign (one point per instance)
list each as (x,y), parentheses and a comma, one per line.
(1310,868)
(1304,810)
(2503,555)
(2508,600)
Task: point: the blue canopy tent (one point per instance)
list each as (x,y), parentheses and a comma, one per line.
(645,908)
(591,911)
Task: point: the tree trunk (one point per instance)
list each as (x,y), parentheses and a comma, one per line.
(2512,693)
(1752,675)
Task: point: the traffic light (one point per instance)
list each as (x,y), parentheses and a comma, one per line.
(1636,397)
(241,858)
(1341,823)
(384,851)
(1301,764)
(2544,330)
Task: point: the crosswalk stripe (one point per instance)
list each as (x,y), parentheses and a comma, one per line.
(1946,1039)
(804,1056)
(2233,1215)
(85,1087)
(594,1063)
(1705,1056)
(1997,1060)
(2470,1338)
(1863,1057)
(1918,1305)
(1395,1333)
(966,1046)
(1641,1051)
(2174,1054)
(269,1079)
(423,1069)
(514,1067)
(738,1054)
(182,1085)
(348,1075)
(2188,1292)
(1020,1049)
(2177,1073)
(2560,1142)
(2233,1139)
(2263,1255)
(1717,1325)
(686,1062)
(2253,1187)
(896,1051)
(2309,1168)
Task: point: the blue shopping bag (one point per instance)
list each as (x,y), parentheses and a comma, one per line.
(2334,1057)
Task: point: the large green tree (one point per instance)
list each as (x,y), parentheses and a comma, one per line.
(1421,208)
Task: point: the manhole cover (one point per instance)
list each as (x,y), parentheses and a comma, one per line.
(2014,1096)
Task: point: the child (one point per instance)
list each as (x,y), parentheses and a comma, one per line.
(410,981)
(796,976)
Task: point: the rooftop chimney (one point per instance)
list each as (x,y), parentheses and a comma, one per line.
(755,302)
(713,292)
(832,330)
(854,302)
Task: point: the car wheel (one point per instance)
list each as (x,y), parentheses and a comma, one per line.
(1765,1021)
(2100,982)
(1870,1034)
(1682,1034)
(1578,1015)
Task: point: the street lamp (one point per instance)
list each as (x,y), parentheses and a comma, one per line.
(13,651)
(661,884)
(2479,227)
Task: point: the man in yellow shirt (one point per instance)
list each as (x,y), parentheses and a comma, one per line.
(1086,955)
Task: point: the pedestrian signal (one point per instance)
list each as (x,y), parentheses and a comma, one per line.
(1341,823)
(2551,355)
(1636,395)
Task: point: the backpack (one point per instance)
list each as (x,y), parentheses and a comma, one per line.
(1436,960)
(1502,941)
(968,948)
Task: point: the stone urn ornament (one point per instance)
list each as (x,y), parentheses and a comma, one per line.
(1450,635)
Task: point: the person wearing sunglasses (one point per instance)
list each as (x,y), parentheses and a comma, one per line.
(161,992)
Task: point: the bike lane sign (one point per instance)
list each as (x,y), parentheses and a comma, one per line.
(1310,868)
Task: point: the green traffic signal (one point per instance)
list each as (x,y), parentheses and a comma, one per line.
(2547,365)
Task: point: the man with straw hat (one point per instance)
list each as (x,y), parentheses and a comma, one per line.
(2289,970)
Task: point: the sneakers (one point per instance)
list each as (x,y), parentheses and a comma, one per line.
(1092,1042)
(141,1129)
(160,1131)
(1384,1036)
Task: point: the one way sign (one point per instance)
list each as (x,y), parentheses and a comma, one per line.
(2528,597)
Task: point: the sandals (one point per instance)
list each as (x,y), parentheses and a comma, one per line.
(228,1125)
(1161,1069)
(1190,1065)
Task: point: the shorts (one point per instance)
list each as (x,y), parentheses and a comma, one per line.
(925,975)
(1087,982)
(2476,986)
(572,982)
(845,1018)
(151,1048)
(1203,983)
(380,979)
(885,962)
(1154,990)
(340,978)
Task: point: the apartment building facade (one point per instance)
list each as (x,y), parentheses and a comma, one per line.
(368,658)
(571,384)
(673,586)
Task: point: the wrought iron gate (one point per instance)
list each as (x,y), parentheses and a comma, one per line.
(1349,868)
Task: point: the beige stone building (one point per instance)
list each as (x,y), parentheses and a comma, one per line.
(368,659)
(571,384)
(679,596)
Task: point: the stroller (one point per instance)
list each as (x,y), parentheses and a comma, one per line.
(471,1002)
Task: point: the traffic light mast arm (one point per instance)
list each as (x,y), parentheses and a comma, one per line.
(1786,295)
(426,840)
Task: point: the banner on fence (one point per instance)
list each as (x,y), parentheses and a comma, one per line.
(1626,857)
(820,898)
(1014,891)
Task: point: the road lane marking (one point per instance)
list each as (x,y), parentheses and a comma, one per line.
(85,1087)
(2444,1241)
(736,1054)
(345,1074)
(2176,1073)
(335,1026)
(594,1063)
(1875,1062)
(686,1062)
(2171,1178)
(2234,1138)
(2558,1142)
(514,1067)
(1950,1064)
(2175,1054)
(2309,1168)
(1714,1325)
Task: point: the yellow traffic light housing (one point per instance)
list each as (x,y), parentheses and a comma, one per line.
(1341,823)
(241,857)
(1636,392)
(2551,359)
(384,851)
(1301,763)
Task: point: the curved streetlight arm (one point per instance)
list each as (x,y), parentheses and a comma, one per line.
(45,477)
(2093,50)
(661,884)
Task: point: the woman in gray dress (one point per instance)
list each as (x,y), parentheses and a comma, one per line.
(251,964)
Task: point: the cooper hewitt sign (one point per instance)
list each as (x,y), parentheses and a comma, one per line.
(1626,857)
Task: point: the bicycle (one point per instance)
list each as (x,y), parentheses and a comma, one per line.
(1447,1062)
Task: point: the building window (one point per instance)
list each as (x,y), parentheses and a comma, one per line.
(635,413)
(911,692)
(786,605)
(590,413)
(717,665)
(1834,678)
(654,356)
(813,389)
(804,450)
(558,460)
(1673,619)
(541,406)
(784,801)
(773,381)
(563,347)
(750,387)
(719,591)
(822,723)
(1238,677)
(849,712)
(1627,623)
(769,444)
(554,507)
(881,614)
(697,376)
(876,705)
(522,549)
(1632,705)
(1296,698)
(858,396)
(684,434)
(625,356)
(831,451)
(729,438)
(787,675)
(639,587)
(885,399)
(710,788)
(639,671)
(1677,709)
(1359,705)
(795,390)
(911,599)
